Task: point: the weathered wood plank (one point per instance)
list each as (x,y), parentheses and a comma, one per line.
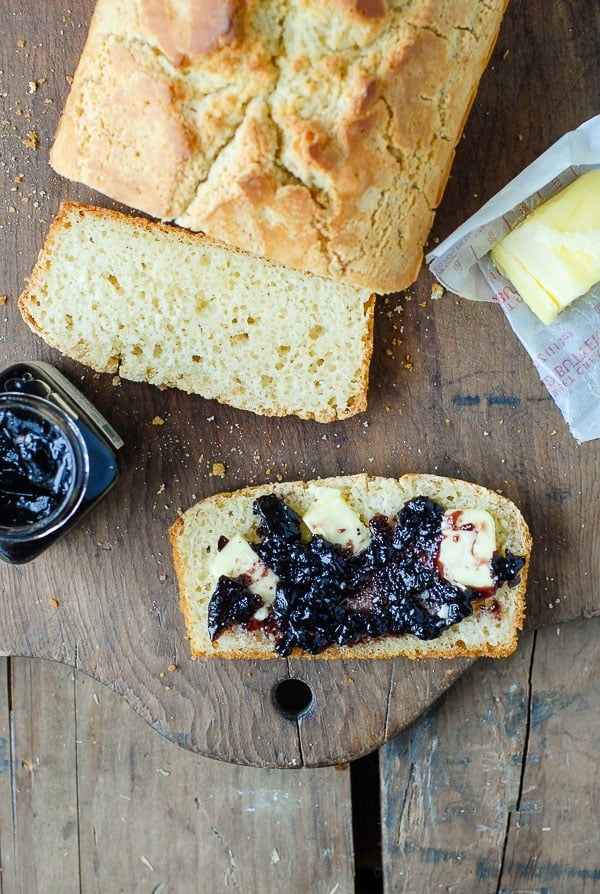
(44,779)
(461,806)
(553,840)
(155,817)
(449,782)
(497,788)
(104,803)
(7,838)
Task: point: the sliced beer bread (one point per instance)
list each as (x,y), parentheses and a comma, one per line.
(196,538)
(159,304)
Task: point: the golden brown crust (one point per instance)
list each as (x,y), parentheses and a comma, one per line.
(320,136)
(196,531)
(204,26)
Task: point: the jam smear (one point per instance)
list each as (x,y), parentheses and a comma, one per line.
(329,596)
(36,468)
(231,603)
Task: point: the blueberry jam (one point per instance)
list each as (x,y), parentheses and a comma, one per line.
(57,458)
(330,596)
(36,467)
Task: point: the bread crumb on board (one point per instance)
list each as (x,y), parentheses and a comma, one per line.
(32,140)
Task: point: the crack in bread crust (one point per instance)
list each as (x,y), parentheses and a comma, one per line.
(300,132)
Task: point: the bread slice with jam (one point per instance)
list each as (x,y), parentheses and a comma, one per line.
(353,567)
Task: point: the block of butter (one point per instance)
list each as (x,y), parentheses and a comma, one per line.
(553,256)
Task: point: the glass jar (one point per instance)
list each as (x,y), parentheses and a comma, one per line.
(57,458)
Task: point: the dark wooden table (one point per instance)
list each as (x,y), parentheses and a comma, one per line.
(496,786)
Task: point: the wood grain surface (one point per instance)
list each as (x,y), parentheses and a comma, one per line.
(451,392)
(495,788)
(91,800)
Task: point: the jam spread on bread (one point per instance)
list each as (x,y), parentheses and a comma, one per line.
(328,595)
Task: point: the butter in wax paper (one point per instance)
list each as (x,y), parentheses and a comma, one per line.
(565,352)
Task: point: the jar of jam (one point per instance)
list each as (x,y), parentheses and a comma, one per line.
(58,458)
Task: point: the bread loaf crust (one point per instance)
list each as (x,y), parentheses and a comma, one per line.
(195,534)
(320,135)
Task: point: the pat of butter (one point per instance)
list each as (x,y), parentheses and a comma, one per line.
(553,256)
(467,547)
(237,558)
(332,518)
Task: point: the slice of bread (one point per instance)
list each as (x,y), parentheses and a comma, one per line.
(159,304)
(490,631)
(317,134)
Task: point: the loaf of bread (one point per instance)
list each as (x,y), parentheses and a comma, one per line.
(317,134)
(486,626)
(158,304)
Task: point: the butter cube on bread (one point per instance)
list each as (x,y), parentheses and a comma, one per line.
(319,134)
(159,304)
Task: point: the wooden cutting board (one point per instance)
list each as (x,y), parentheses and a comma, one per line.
(452,392)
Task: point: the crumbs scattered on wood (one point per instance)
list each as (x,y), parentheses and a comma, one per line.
(31,141)
(218,470)
(158,420)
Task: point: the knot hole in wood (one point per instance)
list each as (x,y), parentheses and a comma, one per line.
(292,697)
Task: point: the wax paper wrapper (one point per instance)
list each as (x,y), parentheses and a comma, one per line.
(566,353)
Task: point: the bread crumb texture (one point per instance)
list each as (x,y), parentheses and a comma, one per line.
(491,631)
(159,304)
(317,134)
